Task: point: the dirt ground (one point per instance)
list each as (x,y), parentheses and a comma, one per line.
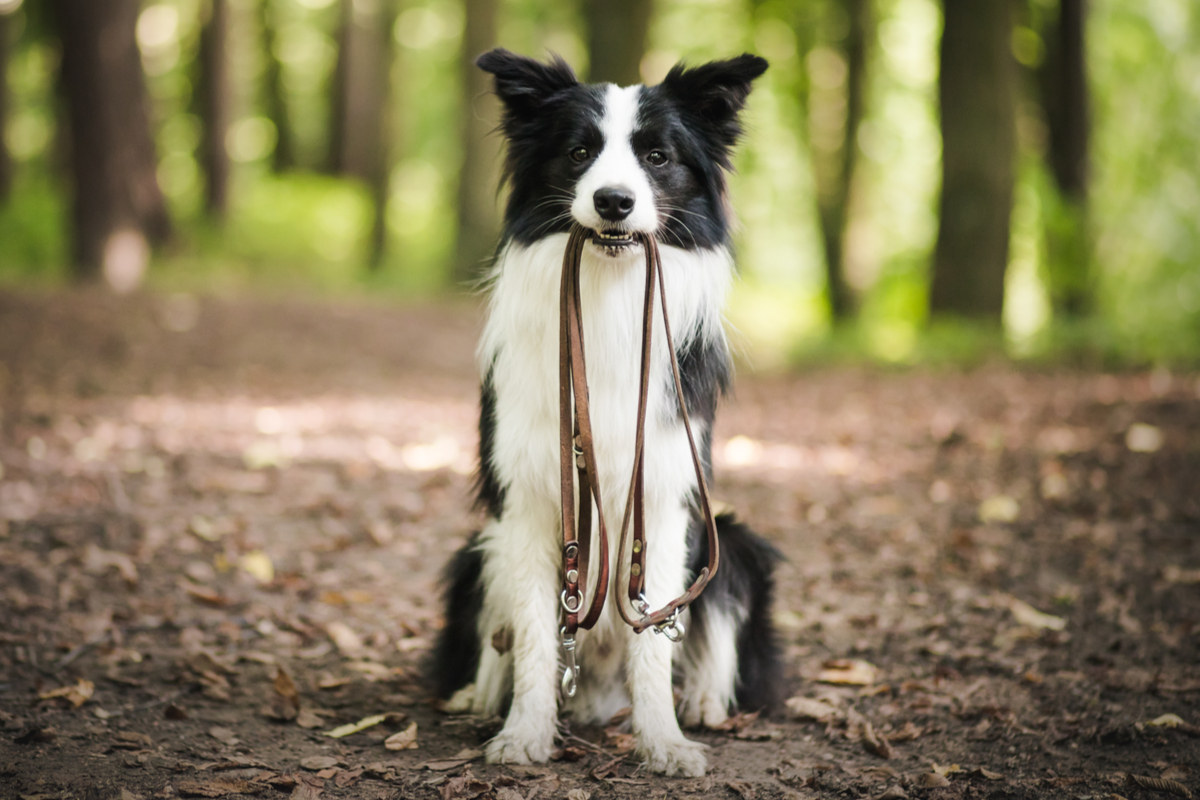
(222,524)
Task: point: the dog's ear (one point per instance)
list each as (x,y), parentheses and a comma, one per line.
(525,85)
(716,91)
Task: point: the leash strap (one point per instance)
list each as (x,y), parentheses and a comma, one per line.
(577,454)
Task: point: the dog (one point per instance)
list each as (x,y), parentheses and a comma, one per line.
(616,161)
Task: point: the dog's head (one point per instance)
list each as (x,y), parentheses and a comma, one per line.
(639,159)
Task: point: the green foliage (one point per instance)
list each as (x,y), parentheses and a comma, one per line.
(305,230)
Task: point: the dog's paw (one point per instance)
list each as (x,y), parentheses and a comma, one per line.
(702,708)
(679,757)
(520,747)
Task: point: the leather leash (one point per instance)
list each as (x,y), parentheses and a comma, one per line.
(577,452)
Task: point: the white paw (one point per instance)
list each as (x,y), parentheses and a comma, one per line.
(702,708)
(520,746)
(679,757)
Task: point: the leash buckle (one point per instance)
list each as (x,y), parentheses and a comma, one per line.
(571,673)
(671,627)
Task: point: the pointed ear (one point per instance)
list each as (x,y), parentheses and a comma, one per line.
(717,90)
(524,85)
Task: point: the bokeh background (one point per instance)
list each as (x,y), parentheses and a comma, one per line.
(919,180)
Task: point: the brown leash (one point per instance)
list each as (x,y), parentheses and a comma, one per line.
(577,452)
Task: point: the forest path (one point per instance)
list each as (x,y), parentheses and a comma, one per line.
(992,586)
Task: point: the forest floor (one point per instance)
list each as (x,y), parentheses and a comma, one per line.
(223,524)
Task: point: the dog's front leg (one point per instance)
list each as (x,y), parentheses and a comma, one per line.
(521,587)
(660,741)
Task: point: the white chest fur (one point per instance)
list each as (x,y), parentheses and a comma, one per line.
(520,348)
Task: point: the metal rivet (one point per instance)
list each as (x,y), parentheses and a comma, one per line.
(572,576)
(637,546)
(579,441)
(636,570)
(572,550)
(579,462)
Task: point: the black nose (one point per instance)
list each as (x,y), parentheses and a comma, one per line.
(613,203)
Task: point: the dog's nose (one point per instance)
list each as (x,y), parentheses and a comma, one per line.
(613,203)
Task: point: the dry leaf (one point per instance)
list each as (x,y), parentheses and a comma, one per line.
(76,695)
(987,774)
(349,642)
(948,769)
(404,740)
(848,672)
(1161,785)
(1167,721)
(317,763)
(309,719)
(875,743)
(224,735)
(1143,438)
(1029,616)
(808,708)
(355,727)
(218,787)
(932,780)
(999,508)
(285,701)
(258,565)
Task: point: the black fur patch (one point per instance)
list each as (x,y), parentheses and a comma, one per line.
(489,493)
(455,655)
(745,579)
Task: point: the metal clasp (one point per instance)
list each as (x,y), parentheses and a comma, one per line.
(671,627)
(571,673)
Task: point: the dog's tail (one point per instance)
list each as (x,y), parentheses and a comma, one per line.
(455,656)
(744,587)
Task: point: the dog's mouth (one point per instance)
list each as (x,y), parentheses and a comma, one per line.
(613,241)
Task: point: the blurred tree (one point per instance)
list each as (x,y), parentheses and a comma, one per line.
(275,102)
(833,40)
(361,108)
(617,32)
(478,221)
(6,165)
(977,94)
(214,97)
(113,160)
(1064,94)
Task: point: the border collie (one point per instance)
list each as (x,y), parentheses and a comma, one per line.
(617,160)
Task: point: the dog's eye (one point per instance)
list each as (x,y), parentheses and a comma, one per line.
(656,157)
(579,155)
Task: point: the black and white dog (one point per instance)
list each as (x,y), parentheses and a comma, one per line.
(615,160)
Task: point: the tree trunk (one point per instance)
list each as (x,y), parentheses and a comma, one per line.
(361,106)
(834,170)
(617,31)
(478,220)
(215,108)
(274,99)
(116,194)
(978,109)
(1065,102)
(6,165)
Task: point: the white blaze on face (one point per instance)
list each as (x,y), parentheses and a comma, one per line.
(617,166)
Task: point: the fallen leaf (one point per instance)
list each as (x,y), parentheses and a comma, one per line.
(808,708)
(285,699)
(309,719)
(465,787)
(848,672)
(258,565)
(218,787)
(875,743)
(317,763)
(1167,721)
(224,735)
(1144,438)
(1161,785)
(744,790)
(1029,616)
(947,769)
(987,774)
(999,508)
(404,740)
(349,642)
(444,764)
(76,695)
(355,727)
(932,780)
